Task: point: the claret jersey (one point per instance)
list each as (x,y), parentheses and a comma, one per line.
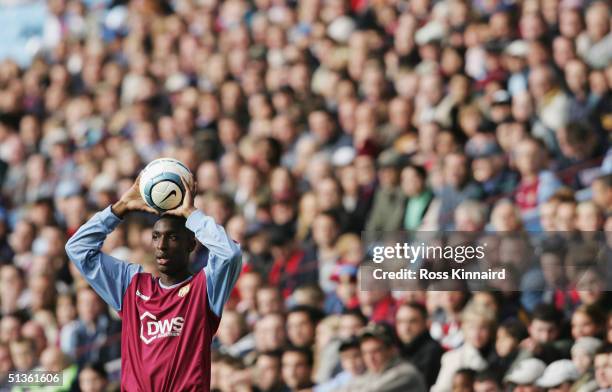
(166,331)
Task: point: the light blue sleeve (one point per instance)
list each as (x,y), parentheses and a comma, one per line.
(108,276)
(224,259)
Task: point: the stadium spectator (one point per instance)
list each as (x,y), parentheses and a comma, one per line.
(486,382)
(385,369)
(352,366)
(559,376)
(297,368)
(602,367)
(94,326)
(523,377)
(267,372)
(583,353)
(93,378)
(478,324)
(418,347)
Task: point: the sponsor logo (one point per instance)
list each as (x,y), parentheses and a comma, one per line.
(183,291)
(151,328)
(145,297)
(173,193)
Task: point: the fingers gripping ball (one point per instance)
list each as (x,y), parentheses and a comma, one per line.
(160,183)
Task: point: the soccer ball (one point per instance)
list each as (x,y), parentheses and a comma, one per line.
(160,183)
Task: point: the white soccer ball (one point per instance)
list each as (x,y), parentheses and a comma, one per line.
(160,183)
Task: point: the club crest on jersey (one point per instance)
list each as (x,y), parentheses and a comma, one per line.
(151,328)
(183,291)
(141,295)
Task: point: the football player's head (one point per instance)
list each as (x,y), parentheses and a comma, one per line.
(172,242)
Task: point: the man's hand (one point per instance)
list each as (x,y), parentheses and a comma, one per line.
(131,201)
(186,207)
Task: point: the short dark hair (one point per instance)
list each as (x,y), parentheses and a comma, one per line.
(356,312)
(348,344)
(176,218)
(487,375)
(276,354)
(314,315)
(181,221)
(97,367)
(515,329)
(594,312)
(331,214)
(420,170)
(554,245)
(605,179)
(306,352)
(548,313)
(469,373)
(604,349)
(418,307)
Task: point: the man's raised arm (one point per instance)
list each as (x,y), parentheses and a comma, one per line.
(224,258)
(109,276)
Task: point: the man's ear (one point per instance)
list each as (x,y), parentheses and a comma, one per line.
(192,243)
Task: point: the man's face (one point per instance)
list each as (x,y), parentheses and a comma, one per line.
(576,75)
(6,363)
(543,331)
(247,286)
(602,194)
(52,359)
(539,83)
(268,301)
(321,126)
(477,333)
(483,169)
(583,325)
(548,213)
(324,230)
(23,356)
(461,383)
(268,371)
(352,361)
(411,182)
(90,381)
(455,170)
(603,370)
(504,343)
(566,217)
(172,246)
(270,333)
(527,158)
(300,329)
(296,371)
(10,281)
(409,323)
(88,306)
(400,113)
(10,328)
(582,360)
(375,355)
(570,23)
(350,326)
(486,386)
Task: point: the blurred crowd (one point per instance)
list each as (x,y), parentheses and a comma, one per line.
(306,123)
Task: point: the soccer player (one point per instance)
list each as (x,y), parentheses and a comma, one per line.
(168,321)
